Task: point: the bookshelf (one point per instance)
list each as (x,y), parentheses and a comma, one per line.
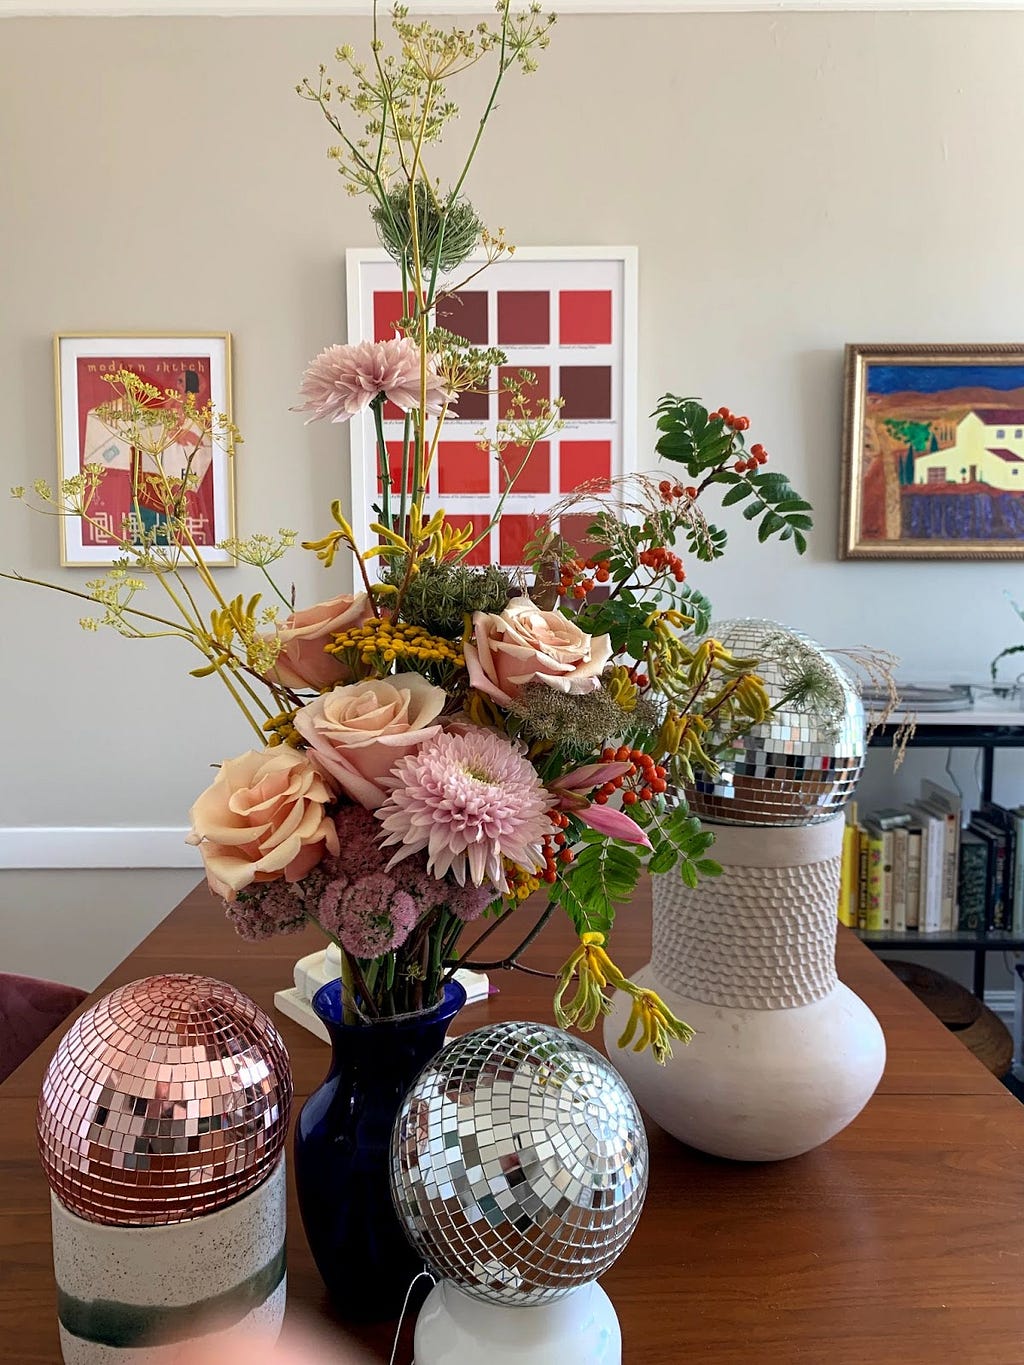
(985,727)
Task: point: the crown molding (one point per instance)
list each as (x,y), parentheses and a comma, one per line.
(240,9)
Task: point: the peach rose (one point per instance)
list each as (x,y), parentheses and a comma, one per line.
(523,644)
(262,818)
(302,662)
(358,733)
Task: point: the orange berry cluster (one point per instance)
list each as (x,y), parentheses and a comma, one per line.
(731,420)
(758,455)
(660,559)
(669,491)
(554,848)
(578,576)
(644,781)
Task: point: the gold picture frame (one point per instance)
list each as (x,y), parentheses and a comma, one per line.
(198,363)
(933,452)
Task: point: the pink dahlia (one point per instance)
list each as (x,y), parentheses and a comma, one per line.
(471,800)
(343,380)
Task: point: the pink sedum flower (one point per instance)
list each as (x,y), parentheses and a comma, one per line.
(343,380)
(470,800)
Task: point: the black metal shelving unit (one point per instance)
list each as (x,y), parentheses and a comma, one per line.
(933,732)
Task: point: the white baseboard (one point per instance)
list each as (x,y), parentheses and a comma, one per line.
(35,847)
(1001,1003)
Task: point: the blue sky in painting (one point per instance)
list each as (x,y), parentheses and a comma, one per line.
(938,378)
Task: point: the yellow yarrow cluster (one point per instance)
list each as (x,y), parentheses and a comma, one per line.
(521,883)
(595,972)
(385,642)
(280,730)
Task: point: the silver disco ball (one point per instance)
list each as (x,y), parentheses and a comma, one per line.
(803,764)
(519,1163)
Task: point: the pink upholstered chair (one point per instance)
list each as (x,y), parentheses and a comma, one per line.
(29,1010)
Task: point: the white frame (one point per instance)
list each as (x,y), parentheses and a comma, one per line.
(71,346)
(362,480)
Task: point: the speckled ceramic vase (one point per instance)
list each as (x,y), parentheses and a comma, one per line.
(785,1055)
(141,1295)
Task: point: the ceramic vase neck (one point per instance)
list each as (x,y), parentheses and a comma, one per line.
(762,936)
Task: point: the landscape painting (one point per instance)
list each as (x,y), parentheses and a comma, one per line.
(933,459)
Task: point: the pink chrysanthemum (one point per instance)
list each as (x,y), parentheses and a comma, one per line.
(470,800)
(343,380)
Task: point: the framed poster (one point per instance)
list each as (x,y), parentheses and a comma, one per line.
(933,453)
(197,364)
(565,314)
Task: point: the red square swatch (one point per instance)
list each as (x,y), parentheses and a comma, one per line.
(535,475)
(533,393)
(524,317)
(387,309)
(573,528)
(470,407)
(395,466)
(514,532)
(587,391)
(581,461)
(482,553)
(465,314)
(462,467)
(585,317)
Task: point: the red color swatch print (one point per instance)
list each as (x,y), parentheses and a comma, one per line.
(534,476)
(462,467)
(581,461)
(585,317)
(514,531)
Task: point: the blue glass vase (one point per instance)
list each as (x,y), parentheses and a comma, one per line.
(342,1141)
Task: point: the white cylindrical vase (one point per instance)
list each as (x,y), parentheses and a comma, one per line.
(141,1295)
(581,1328)
(785,1055)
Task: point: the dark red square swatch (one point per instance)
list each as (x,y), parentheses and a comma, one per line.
(514,531)
(585,317)
(462,467)
(395,466)
(536,472)
(540,389)
(465,314)
(587,390)
(573,528)
(471,407)
(581,461)
(387,309)
(524,317)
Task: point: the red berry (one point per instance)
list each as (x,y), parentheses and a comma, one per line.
(600,799)
(740,466)
(566,855)
(646,794)
(629,798)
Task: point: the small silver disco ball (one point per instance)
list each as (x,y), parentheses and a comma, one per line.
(803,764)
(519,1163)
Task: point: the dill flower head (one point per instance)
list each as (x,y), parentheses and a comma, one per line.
(343,380)
(471,800)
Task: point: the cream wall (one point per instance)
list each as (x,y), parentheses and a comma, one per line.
(792,182)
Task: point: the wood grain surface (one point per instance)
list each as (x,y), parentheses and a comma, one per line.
(902,1240)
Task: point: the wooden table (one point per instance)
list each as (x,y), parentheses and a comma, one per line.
(902,1240)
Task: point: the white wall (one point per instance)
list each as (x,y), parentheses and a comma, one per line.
(792,181)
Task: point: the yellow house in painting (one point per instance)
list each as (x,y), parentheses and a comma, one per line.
(989,448)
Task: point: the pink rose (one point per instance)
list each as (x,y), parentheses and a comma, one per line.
(302,662)
(358,733)
(262,818)
(523,644)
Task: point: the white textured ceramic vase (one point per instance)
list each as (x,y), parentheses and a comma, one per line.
(121,1290)
(785,1055)
(581,1328)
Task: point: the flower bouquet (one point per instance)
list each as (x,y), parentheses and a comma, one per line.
(448,742)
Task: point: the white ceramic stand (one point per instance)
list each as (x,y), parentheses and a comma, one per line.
(785,1055)
(121,1289)
(579,1329)
(317,969)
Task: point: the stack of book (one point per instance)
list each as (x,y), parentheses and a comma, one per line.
(931,868)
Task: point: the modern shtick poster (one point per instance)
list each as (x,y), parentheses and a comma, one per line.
(933,460)
(567,315)
(198,364)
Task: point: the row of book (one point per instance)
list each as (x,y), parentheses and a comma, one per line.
(933,868)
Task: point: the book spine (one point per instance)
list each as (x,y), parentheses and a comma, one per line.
(972,885)
(900,849)
(888,843)
(914,846)
(862,878)
(932,897)
(848,877)
(1017,910)
(876,881)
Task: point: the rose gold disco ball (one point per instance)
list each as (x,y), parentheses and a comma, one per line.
(167,1100)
